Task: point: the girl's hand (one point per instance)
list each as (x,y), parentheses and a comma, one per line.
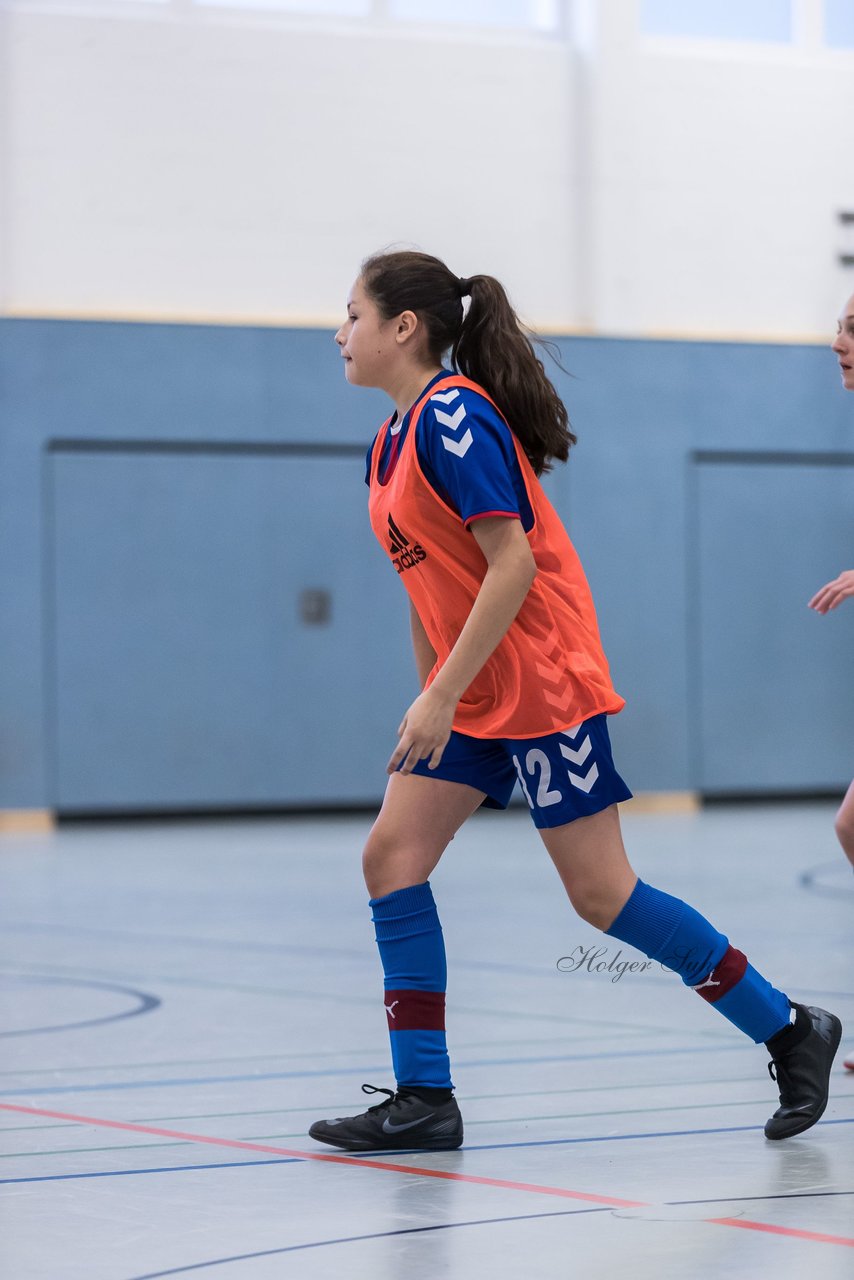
(424,731)
(834,593)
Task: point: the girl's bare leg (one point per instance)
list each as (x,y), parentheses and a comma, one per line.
(591,861)
(418,820)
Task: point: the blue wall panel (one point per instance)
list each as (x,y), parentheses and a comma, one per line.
(641,409)
(775,693)
(184,672)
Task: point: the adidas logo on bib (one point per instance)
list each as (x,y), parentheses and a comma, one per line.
(405,554)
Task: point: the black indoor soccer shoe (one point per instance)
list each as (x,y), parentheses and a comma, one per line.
(803,1074)
(402,1122)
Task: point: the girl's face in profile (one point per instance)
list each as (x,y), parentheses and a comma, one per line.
(364,339)
(843,344)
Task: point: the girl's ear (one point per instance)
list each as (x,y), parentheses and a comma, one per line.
(407,326)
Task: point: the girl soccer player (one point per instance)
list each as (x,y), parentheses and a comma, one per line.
(514,685)
(842,588)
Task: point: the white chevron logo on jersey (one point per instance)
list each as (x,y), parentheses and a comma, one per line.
(450,420)
(459,447)
(453,422)
(446,396)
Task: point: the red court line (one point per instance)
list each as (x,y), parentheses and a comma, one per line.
(324,1157)
(449,1175)
(820,1236)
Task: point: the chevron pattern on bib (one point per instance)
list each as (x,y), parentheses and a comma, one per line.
(560,695)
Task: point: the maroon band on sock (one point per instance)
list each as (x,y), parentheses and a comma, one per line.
(729,970)
(415,1010)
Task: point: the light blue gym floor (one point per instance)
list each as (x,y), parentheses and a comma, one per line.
(179,1001)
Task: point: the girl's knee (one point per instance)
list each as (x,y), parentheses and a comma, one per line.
(596,904)
(600,899)
(377,857)
(394,859)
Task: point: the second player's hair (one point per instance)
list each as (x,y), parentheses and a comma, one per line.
(486,341)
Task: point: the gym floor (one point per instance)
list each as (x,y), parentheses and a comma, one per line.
(180,1000)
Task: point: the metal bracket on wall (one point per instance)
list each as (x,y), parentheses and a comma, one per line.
(846,217)
(315,607)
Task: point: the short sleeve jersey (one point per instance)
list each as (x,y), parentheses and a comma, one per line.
(466,452)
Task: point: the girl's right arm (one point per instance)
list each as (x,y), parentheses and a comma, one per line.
(425,654)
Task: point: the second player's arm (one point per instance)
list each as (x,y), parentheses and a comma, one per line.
(832,595)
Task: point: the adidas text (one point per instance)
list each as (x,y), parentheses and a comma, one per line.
(410,558)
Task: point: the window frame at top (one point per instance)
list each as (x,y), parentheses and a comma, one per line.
(724,36)
(830,20)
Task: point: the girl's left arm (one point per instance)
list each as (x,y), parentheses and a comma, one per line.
(511,569)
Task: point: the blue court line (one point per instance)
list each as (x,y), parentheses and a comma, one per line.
(351,1071)
(132,1173)
(384,1155)
(628,1137)
(774,1195)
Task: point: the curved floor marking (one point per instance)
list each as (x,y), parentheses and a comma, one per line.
(144,1003)
(374,1235)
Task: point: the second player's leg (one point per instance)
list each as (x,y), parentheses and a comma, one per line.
(845,836)
(845,824)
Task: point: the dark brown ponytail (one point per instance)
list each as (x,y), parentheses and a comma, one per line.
(486,343)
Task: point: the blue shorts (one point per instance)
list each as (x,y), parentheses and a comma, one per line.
(563,775)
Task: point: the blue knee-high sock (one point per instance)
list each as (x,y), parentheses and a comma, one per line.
(412,950)
(668,930)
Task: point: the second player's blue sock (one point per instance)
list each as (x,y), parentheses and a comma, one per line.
(670,931)
(412,950)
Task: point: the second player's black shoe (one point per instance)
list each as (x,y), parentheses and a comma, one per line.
(803,1075)
(402,1122)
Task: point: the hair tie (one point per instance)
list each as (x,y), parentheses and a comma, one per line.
(464,284)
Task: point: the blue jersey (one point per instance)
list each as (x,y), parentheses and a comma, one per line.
(466,452)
